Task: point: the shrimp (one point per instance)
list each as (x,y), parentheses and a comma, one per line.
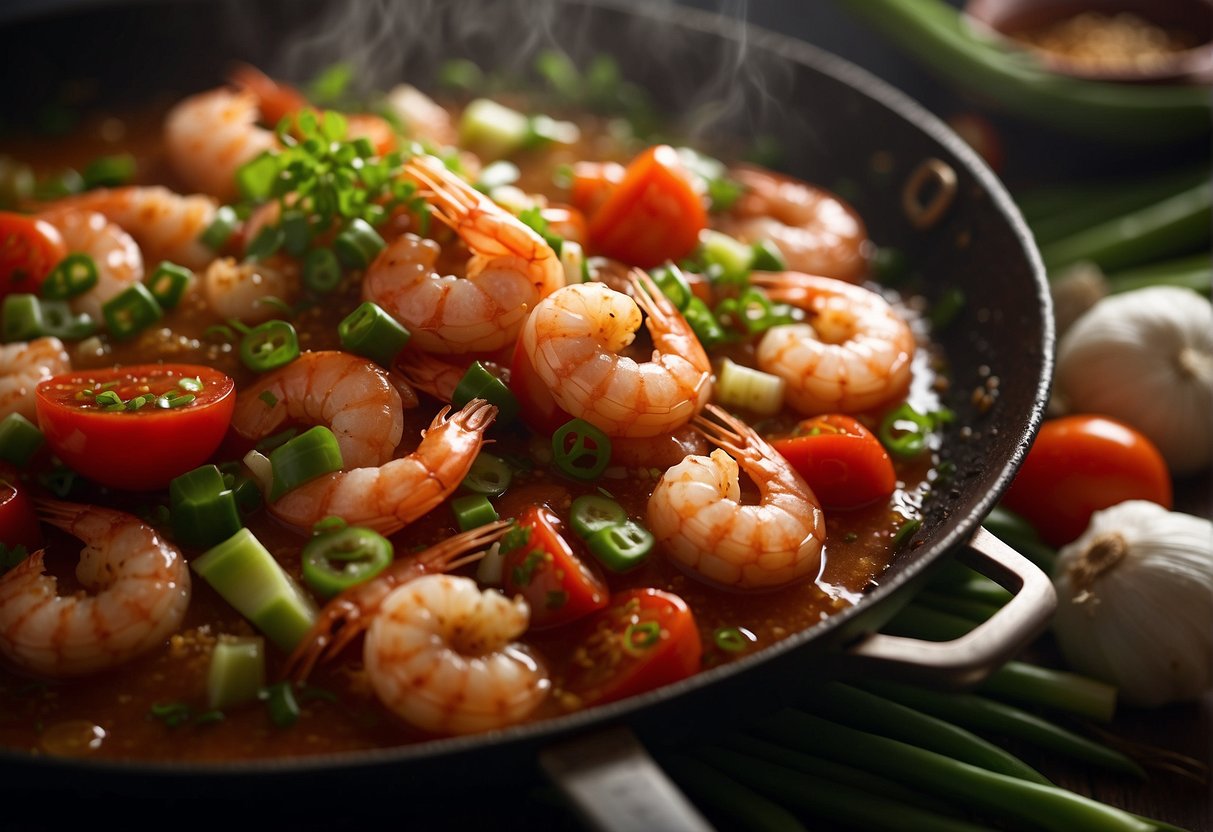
(348,615)
(853,354)
(391,496)
(118,259)
(697,516)
(344,392)
(166,225)
(240,290)
(814,229)
(440,655)
(22,365)
(208,137)
(510,270)
(140,589)
(573,339)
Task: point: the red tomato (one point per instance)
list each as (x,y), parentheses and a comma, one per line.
(557,584)
(593,182)
(142,449)
(653,215)
(539,409)
(1079,465)
(29,249)
(646,638)
(274,100)
(840,459)
(18,521)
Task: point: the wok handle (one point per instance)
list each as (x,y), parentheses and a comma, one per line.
(616,786)
(974,656)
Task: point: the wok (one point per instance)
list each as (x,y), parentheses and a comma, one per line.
(842,128)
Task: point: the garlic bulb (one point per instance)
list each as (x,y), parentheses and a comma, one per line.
(1146,358)
(1136,602)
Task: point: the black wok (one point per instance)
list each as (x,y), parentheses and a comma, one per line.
(840,127)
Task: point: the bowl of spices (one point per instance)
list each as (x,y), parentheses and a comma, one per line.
(1132,41)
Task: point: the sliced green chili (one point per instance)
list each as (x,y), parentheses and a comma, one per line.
(59,320)
(167,284)
(221,229)
(337,560)
(358,244)
(109,171)
(307,456)
(296,232)
(281,703)
(904,431)
(621,547)
(733,639)
(268,240)
(473,511)
(673,285)
(321,271)
(581,450)
(131,311)
(21,318)
(373,333)
(269,346)
(74,275)
(591,513)
(767,257)
(479,383)
(489,475)
(641,635)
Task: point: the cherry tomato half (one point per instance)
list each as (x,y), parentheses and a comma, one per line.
(139,449)
(18,521)
(1079,465)
(840,459)
(558,585)
(29,249)
(646,638)
(592,183)
(653,215)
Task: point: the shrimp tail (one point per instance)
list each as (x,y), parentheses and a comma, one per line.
(733,436)
(475,416)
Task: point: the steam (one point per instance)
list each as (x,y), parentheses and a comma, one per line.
(705,86)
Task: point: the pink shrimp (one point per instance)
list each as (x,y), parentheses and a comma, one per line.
(22,365)
(117,258)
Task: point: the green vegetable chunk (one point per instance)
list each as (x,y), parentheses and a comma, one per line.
(237,671)
(335,561)
(203,509)
(311,454)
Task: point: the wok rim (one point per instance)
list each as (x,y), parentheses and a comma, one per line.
(959,526)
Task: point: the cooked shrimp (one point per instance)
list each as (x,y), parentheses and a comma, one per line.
(574,338)
(348,615)
(139,585)
(242,290)
(814,229)
(441,654)
(208,136)
(697,515)
(391,496)
(510,270)
(344,392)
(437,377)
(853,354)
(421,116)
(22,365)
(118,259)
(167,226)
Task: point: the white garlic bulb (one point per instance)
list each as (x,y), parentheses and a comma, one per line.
(1136,602)
(1146,358)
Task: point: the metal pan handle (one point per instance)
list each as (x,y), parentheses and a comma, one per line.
(975,655)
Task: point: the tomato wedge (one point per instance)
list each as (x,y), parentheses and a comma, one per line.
(646,638)
(558,585)
(18,521)
(841,460)
(183,417)
(653,215)
(539,408)
(29,249)
(592,183)
(1079,465)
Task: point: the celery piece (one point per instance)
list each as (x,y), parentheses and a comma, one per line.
(492,129)
(237,671)
(740,386)
(244,572)
(734,257)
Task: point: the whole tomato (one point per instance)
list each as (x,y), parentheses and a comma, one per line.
(1079,465)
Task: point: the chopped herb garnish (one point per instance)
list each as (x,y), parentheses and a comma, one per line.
(642,635)
(525,571)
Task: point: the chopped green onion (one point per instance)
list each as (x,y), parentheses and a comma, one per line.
(745,387)
(20,439)
(460,74)
(268,240)
(321,271)
(591,513)
(373,333)
(309,455)
(767,257)
(581,450)
(704,324)
(282,705)
(337,560)
(641,635)
(66,183)
(543,130)
(237,671)
(358,244)
(257,177)
(131,311)
(74,275)
(221,229)
(269,346)
(733,639)
(753,312)
(533,218)
(732,256)
(904,431)
(244,572)
(492,129)
(296,233)
(907,530)
(171,713)
(621,547)
(59,321)
(473,511)
(489,475)
(332,523)
(673,285)
(496,174)
(109,171)
(21,318)
(203,509)
(167,284)
(479,383)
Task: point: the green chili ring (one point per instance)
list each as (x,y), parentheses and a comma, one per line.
(336,561)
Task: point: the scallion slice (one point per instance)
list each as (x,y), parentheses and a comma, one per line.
(621,547)
(74,275)
(337,560)
(203,509)
(237,671)
(591,513)
(221,229)
(321,271)
(21,318)
(489,475)
(130,312)
(268,346)
(473,511)
(479,383)
(358,244)
(309,455)
(745,387)
(373,333)
(168,283)
(581,450)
